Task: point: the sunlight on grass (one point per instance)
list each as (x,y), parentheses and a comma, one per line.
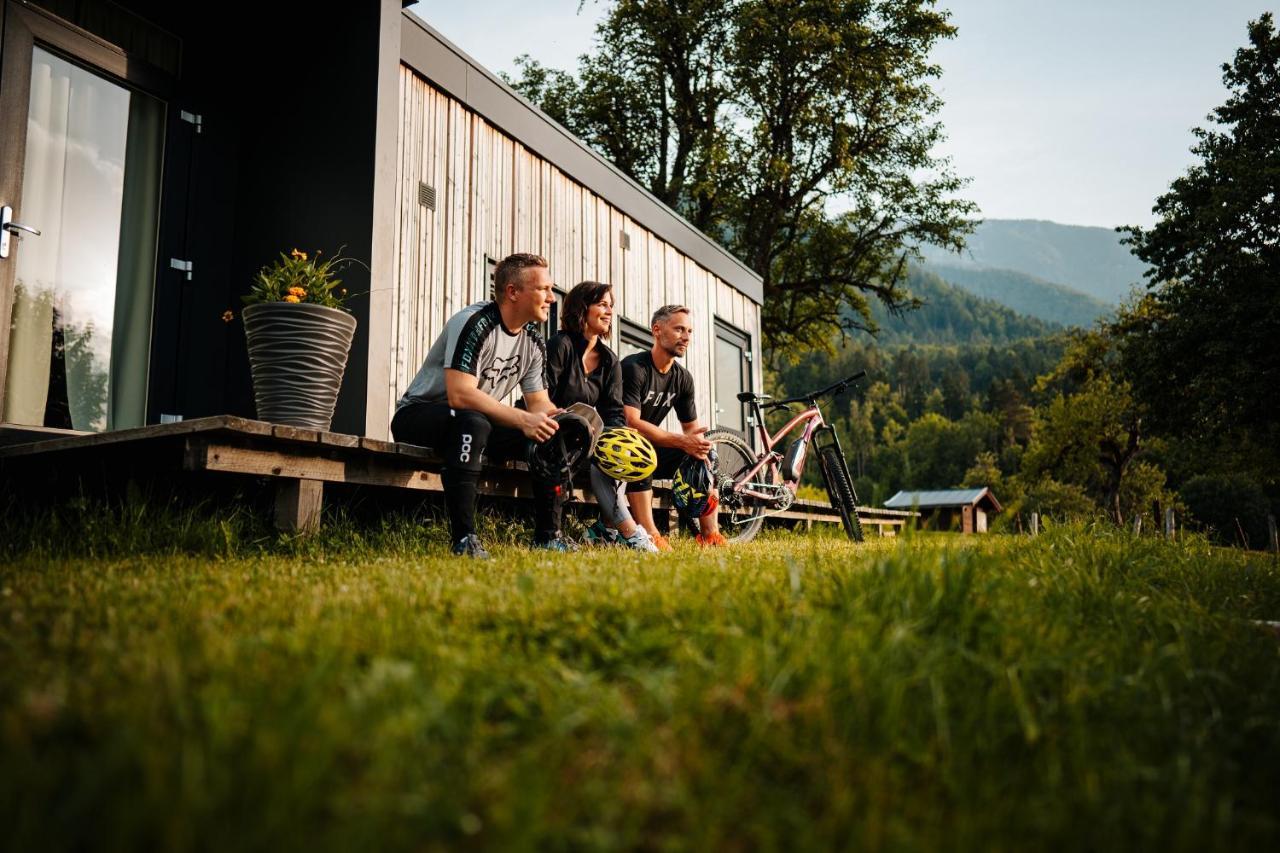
(1082,689)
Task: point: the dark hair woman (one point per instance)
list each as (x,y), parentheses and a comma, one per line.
(582,369)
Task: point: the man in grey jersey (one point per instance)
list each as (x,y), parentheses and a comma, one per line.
(454,403)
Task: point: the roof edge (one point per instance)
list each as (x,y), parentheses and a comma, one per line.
(912,497)
(482,91)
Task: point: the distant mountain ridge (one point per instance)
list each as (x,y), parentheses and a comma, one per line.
(952,315)
(1026,294)
(1090,260)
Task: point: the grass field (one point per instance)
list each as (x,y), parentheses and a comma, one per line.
(1081,690)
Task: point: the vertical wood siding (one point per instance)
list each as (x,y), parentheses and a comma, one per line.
(494,197)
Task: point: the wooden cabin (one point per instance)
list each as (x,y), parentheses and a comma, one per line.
(166,151)
(961,510)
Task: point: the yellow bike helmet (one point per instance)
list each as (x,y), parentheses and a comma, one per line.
(625,454)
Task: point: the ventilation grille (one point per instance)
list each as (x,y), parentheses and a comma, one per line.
(427,196)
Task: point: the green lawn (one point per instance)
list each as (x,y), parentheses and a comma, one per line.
(1080,690)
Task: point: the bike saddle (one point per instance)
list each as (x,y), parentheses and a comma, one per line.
(749,397)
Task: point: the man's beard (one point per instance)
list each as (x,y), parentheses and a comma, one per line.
(672,350)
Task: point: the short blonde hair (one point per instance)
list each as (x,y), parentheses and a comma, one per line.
(509,270)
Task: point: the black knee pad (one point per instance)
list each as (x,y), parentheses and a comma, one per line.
(470,437)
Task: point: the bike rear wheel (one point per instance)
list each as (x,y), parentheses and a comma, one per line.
(840,489)
(740,516)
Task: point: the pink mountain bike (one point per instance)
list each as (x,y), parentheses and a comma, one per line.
(755,485)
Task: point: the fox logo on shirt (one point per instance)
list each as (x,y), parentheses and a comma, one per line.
(501,368)
(659,399)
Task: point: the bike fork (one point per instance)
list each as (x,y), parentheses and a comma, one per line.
(828,432)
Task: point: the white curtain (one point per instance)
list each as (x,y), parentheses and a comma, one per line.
(31,335)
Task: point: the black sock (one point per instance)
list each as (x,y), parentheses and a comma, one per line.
(460,501)
(548,509)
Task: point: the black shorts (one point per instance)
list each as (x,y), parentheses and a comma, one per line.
(669,459)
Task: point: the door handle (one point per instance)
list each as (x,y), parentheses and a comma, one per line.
(8,226)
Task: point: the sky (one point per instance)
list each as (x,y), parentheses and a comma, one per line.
(1075,111)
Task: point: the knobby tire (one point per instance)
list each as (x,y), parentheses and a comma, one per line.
(840,490)
(733,455)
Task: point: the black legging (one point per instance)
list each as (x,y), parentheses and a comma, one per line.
(460,436)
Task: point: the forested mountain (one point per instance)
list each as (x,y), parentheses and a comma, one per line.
(1026,294)
(944,379)
(923,414)
(952,315)
(1090,260)
(945,382)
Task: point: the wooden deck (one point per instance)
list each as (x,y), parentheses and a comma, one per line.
(302,461)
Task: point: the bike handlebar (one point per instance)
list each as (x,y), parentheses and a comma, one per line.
(814,396)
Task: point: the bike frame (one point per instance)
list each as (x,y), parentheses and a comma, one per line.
(811,417)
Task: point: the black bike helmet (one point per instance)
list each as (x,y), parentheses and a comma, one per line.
(691,488)
(557,458)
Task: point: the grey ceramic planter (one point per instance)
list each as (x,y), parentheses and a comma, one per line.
(297,354)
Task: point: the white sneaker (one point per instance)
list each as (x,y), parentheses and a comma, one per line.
(640,541)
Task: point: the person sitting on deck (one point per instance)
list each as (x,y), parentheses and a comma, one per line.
(453,404)
(653,382)
(582,369)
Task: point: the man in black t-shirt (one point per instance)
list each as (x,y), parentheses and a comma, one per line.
(653,383)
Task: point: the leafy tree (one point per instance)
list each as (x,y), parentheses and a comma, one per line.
(1144,493)
(1228,506)
(912,376)
(1006,400)
(1055,500)
(1091,433)
(985,471)
(934,453)
(1201,348)
(955,391)
(935,404)
(885,411)
(798,133)
(862,436)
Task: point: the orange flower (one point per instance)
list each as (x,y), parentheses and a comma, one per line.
(298,254)
(297,291)
(228,316)
(292,298)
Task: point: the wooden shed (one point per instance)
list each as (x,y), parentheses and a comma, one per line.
(962,510)
(167,151)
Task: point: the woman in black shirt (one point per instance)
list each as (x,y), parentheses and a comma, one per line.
(582,369)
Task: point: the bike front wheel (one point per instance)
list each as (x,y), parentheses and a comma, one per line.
(740,516)
(840,490)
